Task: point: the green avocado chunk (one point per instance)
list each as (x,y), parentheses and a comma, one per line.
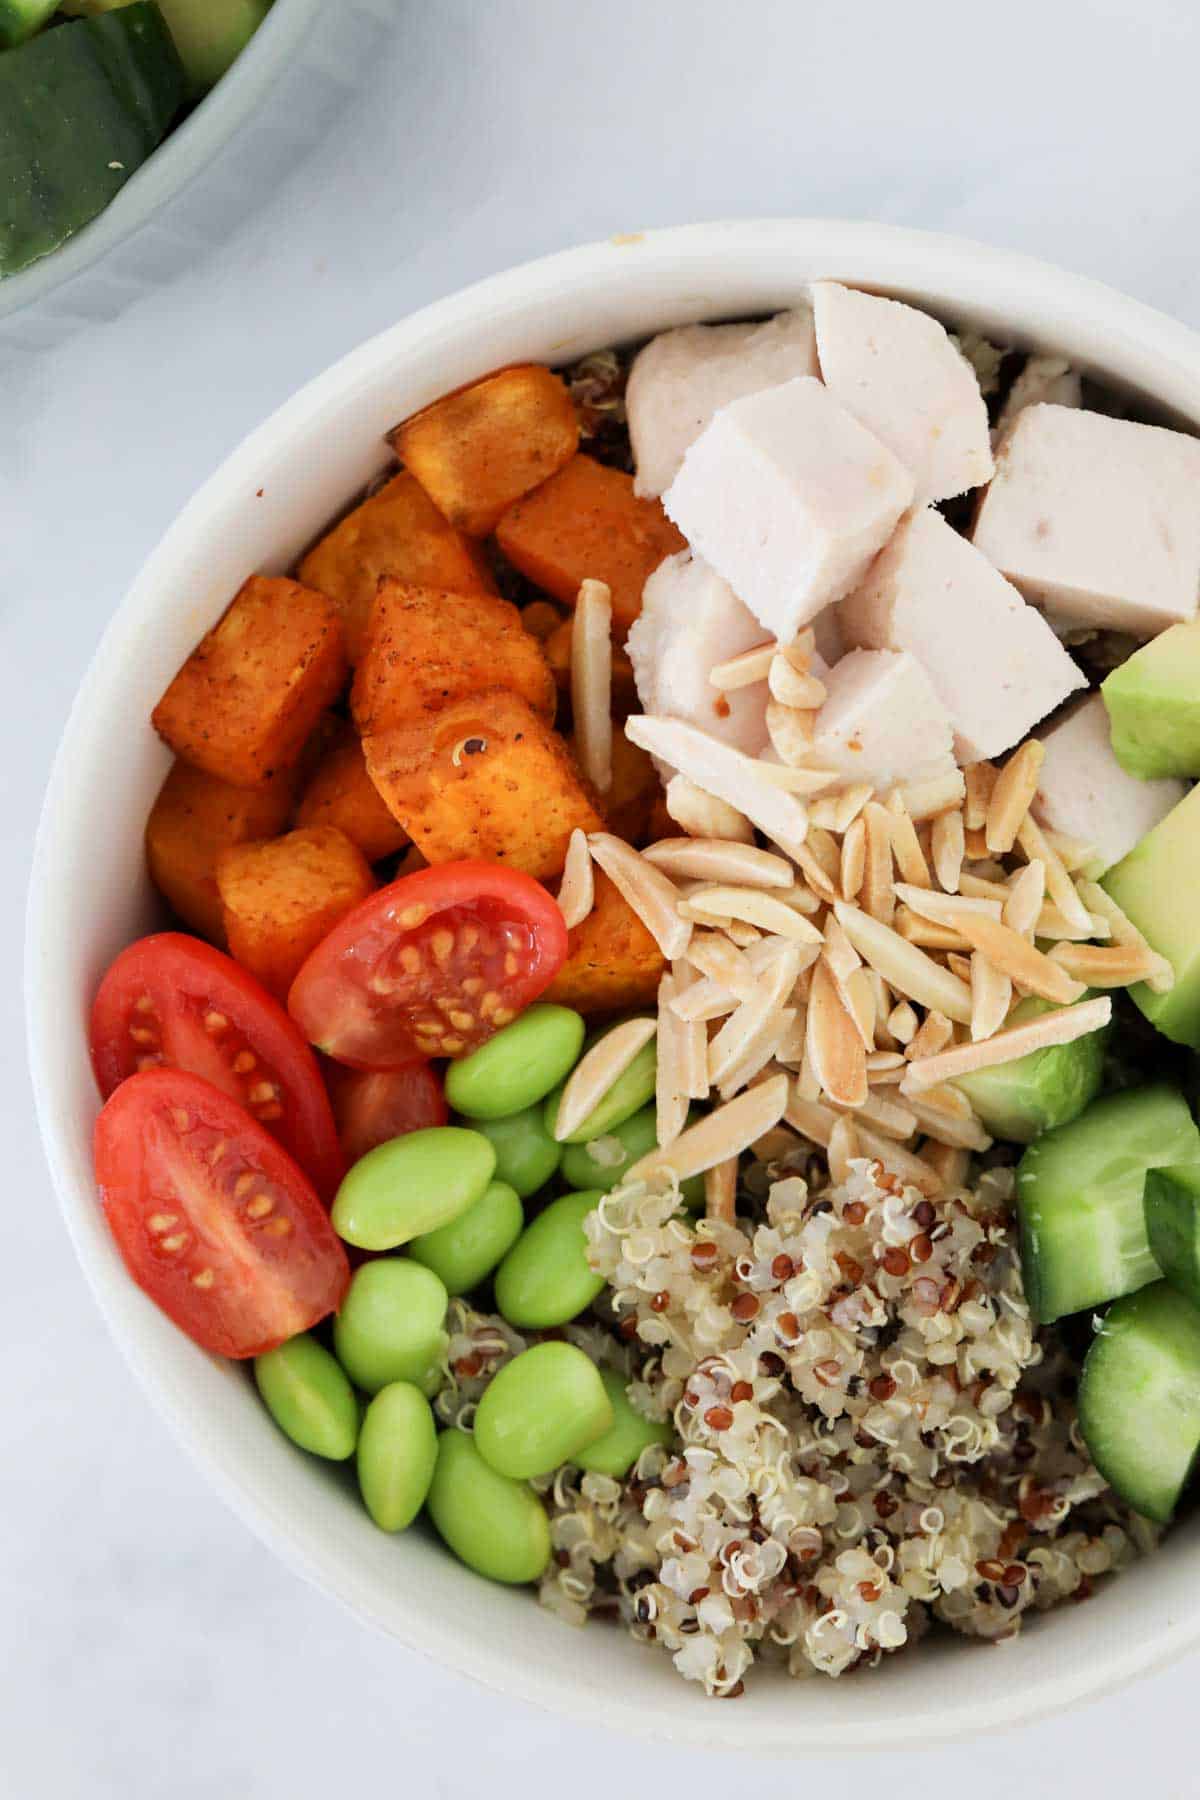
(1158,885)
(1153,703)
(209,34)
(1019,1100)
(1139,1398)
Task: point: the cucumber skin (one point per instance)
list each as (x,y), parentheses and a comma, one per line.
(1161,1321)
(1059,1083)
(19,19)
(1173,1226)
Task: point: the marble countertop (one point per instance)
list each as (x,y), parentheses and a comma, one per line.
(151,1649)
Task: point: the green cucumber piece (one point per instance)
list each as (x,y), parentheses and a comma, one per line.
(1079,1199)
(209,34)
(1139,1398)
(1019,1100)
(1173,1225)
(81,107)
(19,19)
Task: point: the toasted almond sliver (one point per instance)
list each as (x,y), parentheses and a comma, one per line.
(937,794)
(939,909)
(963,1134)
(597,1070)
(1059,885)
(1026,893)
(775,1144)
(976,887)
(756,1020)
(951,1163)
(714,956)
(725,1132)
(691,1042)
(935,1033)
(876,893)
(1052,924)
(991,997)
(979,779)
(791,732)
(644,888)
(796,781)
(1061,1026)
(948,848)
(1123,931)
(752,908)
(744,670)
(671,1102)
(577,889)
(716,859)
(790,1047)
(960,964)
(885,1062)
(793,687)
(725,772)
(759,1053)
(837,1051)
(703,815)
(1012,796)
(893,1120)
(902,1023)
(858,997)
(703,1001)
(720,1191)
(915,930)
(591,682)
(905,968)
(849,805)
(906,846)
(914,1171)
(840,953)
(854,859)
(1110,965)
(812,1118)
(1076,856)
(1018,958)
(844,1146)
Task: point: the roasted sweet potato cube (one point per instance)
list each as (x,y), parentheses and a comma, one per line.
(482,447)
(193,820)
(587,521)
(252,690)
(486,777)
(342,794)
(400,532)
(629,803)
(281,898)
(427,647)
(612,961)
(557,649)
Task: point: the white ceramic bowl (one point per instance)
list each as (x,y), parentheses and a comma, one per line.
(89,896)
(243,139)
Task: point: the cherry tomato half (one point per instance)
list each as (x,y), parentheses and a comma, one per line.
(430,966)
(172,1001)
(213,1218)
(372,1106)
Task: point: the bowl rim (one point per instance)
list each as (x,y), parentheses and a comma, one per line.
(1097,317)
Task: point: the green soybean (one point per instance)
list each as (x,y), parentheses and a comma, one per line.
(545,1280)
(629,1434)
(497,1526)
(412,1185)
(526,1153)
(518,1066)
(627,1095)
(539,1409)
(604,1161)
(392,1325)
(397,1452)
(309,1397)
(469,1247)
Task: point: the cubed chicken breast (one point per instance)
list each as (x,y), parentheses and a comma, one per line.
(1044,381)
(898,372)
(994,662)
(1097,519)
(690,621)
(1085,793)
(788,497)
(683,376)
(882,721)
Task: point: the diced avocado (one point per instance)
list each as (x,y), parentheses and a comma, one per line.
(1139,1398)
(1173,1225)
(19,19)
(1153,703)
(209,34)
(1079,1199)
(1019,1100)
(1158,885)
(81,107)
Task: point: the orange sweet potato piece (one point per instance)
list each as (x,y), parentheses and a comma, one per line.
(477,450)
(281,898)
(485,777)
(400,532)
(629,803)
(427,647)
(342,794)
(255,686)
(612,961)
(557,648)
(194,819)
(587,521)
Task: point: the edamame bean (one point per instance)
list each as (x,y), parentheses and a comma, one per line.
(602,1163)
(539,1409)
(412,1185)
(545,1280)
(629,1434)
(497,1526)
(526,1154)
(397,1452)
(392,1325)
(518,1066)
(629,1092)
(469,1247)
(309,1397)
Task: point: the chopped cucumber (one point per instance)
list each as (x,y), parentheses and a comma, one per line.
(1173,1225)
(19,19)
(1019,1100)
(1155,885)
(209,34)
(1139,1398)
(1079,1197)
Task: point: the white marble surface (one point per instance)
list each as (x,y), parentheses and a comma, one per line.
(149,1647)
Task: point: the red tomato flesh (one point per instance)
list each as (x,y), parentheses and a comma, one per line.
(373,1106)
(215,1221)
(430,966)
(173,1001)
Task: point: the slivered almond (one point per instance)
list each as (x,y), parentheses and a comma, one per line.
(1062,1026)
(947,1099)
(725,1132)
(807,1082)
(876,892)
(916,930)
(753,908)
(1012,796)
(849,805)
(800,896)
(991,997)
(979,779)
(927,903)
(854,859)
(691,1043)
(775,1144)
(714,956)
(644,888)
(949,1162)
(840,953)
(1059,885)
(977,887)
(902,1023)
(936,794)
(1076,856)
(887,1116)
(837,1051)
(823,885)
(844,1148)
(885,1062)
(1052,924)
(905,968)
(961,1134)
(1123,931)
(858,997)
(597,1070)
(1026,892)
(1018,958)
(791,687)
(791,732)
(796,781)
(812,1118)
(703,1001)
(671,1102)
(790,1048)
(756,1021)
(948,846)
(724,772)
(975,844)
(1112,965)
(961,965)
(764,1049)
(934,1034)
(591,682)
(716,859)
(720,1191)
(817,1122)
(744,670)
(577,889)
(703,815)
(906,846)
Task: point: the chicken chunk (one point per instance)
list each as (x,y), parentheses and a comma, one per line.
(881,721)
(1085,793)
(692,620)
